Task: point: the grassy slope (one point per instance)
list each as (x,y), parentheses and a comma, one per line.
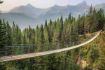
(94,53)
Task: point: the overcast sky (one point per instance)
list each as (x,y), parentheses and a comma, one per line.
(9,4)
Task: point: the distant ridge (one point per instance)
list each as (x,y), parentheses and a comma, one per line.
(29,15)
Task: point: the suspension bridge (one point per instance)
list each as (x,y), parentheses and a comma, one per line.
(31,55)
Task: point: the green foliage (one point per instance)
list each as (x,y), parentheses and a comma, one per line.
(53,35)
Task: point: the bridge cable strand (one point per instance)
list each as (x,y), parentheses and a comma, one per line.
(31,55)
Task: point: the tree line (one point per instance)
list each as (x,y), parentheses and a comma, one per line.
(51,35)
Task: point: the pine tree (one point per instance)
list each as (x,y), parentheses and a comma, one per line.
(42,37)
(3,38)
(9,32)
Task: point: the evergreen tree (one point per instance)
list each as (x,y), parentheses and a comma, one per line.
(3,38)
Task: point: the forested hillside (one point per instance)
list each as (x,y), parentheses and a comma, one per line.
(54,35)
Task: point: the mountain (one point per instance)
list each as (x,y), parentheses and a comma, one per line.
(29,10)
(29,15)
(20,19)
(57,11)
(100,6)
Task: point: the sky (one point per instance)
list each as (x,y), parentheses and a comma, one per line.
(10,4)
